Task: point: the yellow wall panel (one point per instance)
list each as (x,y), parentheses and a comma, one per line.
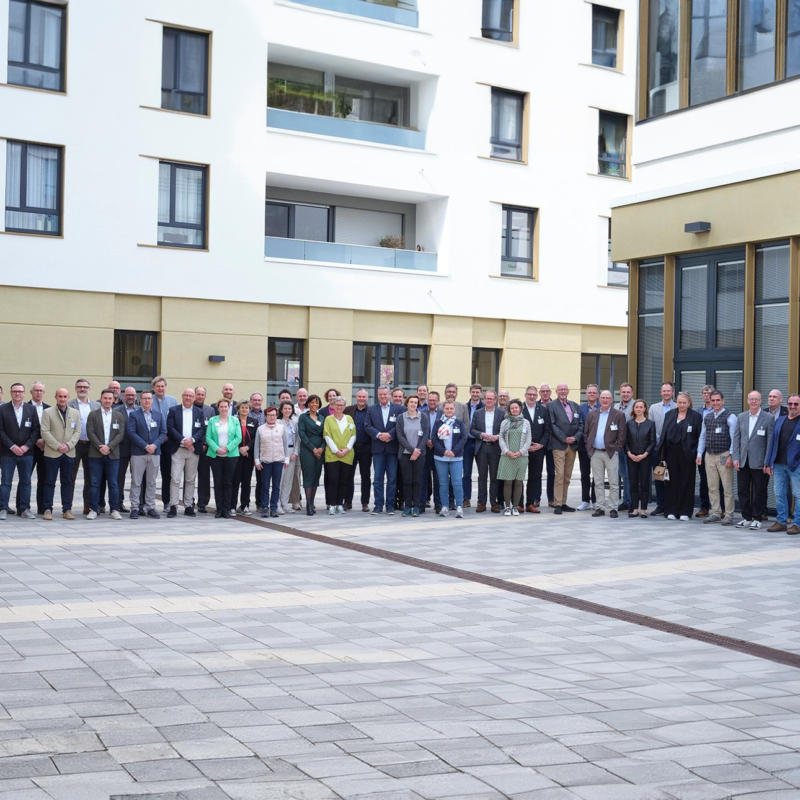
(452,331)
(599,339)
(382,328)
(187,354)
(523,367)
(288,322)
(56,307)
(182,314)
(137,313)
(330,323)
(330,362)
(488,333)
(524,335)
(448,363)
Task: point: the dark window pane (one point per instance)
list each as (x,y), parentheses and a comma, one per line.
(168,60)
(135,356)
(772,273)
(181,205)
(694,307)
(521,239)
(604,378)
(588,372)
(729,382)
(517,242)
(277,221)
(32,187)
(35,53)
(730,304)
(16,30)
(709,47)
(756,43)
(189,196)
(663,54)
(605,23)
(311,223)
(498,20)
(484,368)
(612,144)
(506,137)
(770,354)
(651,287)
(651,357)
(299,89)
(371,102)
(284,367)
(793,40)
(184,71)
(45,36)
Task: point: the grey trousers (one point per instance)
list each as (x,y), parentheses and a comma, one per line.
(144,470)
(184,465)
(602,464)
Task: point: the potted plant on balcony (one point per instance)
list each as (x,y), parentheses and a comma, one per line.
(393,241)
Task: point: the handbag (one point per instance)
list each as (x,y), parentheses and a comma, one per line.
(661,473)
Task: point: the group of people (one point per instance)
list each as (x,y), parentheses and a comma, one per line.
(432,443)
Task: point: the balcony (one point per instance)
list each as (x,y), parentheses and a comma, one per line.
(399,12)
(352,254)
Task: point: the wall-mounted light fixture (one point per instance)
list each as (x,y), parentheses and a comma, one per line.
(697,227)
(216,359)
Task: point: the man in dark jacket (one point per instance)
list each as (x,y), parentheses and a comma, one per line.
(604,436)
(19,431)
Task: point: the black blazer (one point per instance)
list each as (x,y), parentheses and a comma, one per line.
(540,431)
(690,438)
(175,427)
(641,438)
(561,428)
(479,426)
(125,444)
(11,434)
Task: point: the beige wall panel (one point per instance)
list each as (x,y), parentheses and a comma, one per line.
(330,323)
(448,363)
(56,307)
(522,367)
(522,335)
(378,327)
(488,333)
(452,331)
(750,211)
(70,352)
(288,322)
(137,313)
(204,316)
(187,354)
(598,339)
(330,362)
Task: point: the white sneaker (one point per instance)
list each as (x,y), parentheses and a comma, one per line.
(247,512)
(3,514)
(743,523)
(584,506)
(281,511)
(91,515)
(507,511)
(755,525)
(233,513)
(28,514)
(445,512)
(116,515)
(340,509)
(672,517)
(684,518)
(514,511)
(459,512)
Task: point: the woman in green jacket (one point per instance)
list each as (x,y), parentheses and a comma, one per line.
(340,436)
(312,447)
(223,437)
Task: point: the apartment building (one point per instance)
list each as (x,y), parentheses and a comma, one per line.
(712,232)
(319,192)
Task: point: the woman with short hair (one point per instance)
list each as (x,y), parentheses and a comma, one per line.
(449,441)
(515,439)
(271,459)
(312,448)
(413,430)
(223,437)
(339,431)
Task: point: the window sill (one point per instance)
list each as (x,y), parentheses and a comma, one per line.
(513,45)
(600,66)
(611,286)
(35,89)
(32,233)
(172,111)
(607,177)
(523,163)
(360,267)
(174,247)
(535,279)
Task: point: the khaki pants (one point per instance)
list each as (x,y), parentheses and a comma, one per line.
(564,461)
(184,465)
(144,470)
(603,463)
(716,471)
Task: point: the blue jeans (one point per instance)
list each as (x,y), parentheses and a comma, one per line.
(784,479)
(384,465)
(108,468)
(469,458)
(53,466)
(450,472)
(623,473)
(271,472)
(8,465)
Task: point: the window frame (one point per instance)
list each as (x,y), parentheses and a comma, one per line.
(615,380)
(511,34)
(62,68)
(130,379)
(302,348)
(533,216)
(625,161)
(496,140)
(494,351)
(617,54)
(23,191)
(203,226)
(376,372)
(291,206)
(178,32)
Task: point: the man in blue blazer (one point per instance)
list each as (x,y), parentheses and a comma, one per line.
(147,431)
(380,426)
(783,461)
(186,431)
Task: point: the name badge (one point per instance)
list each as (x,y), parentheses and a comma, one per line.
(219,424)
(115,425)
(351,426)
(761,432)
(456,430)
(798,438)
(318,422)
(197,424)
(688,429)
(717,430)
(419,433)
(27,423)
(392,419)
(249,424)
(73,424)
(615,427)
(541,421)
(153,424)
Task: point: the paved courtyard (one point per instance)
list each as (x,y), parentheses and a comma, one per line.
(203,659)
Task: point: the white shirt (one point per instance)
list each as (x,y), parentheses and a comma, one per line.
(187,422)
(107,424)
(298,411)
(84,409)
(753,419)
(222,433)
(39,409)
(489,427)
(385,414)
(18,413)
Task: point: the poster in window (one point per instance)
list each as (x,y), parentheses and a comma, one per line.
(387,374)
(292,373)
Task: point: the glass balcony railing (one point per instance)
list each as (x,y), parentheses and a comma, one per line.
(359,255)
(400,12)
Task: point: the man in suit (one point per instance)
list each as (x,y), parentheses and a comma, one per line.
(362,451)
(545,398)
(475,404)
(84,406)
(751,441)
(537,417)
(783,462)
(485,432)
(163,402)
(566,434)
(61,429)
(37,393)
(380,427)
(657,412)
(625,405)
(605,433)
(430,478)
(19,431)
(126,408)
(147,430)
(106,430)
(187,430)
(775,404)
(588,493)
(203,461)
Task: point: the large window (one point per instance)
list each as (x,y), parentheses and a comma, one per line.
(184,71)
(135,358)
(36,44)
(396,365)
(486,368)
(181,205)
(517,242)
(605,27)
(498,20)
(612,145)
(732,45)
(771,330)
(607,371)
(284,367)
(298,221)
(507,110)
(311,91)
(33,188)
(651,331)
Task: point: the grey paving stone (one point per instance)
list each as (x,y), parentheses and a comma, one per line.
(220,769)
(85,763)
(26,767)
(162,770)
(579,775)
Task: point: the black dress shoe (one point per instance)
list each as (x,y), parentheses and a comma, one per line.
(218,515)
(134,513)
(613,513)
(172,513)
(153,514)
(226,515)
(658,511)
(565,507)
(600,513)
(309,511)
(557,510)
(141,510)
(631,514)
(624,507)
(202,510)
(189,512)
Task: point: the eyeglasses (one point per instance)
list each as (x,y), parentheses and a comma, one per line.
(793,404)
